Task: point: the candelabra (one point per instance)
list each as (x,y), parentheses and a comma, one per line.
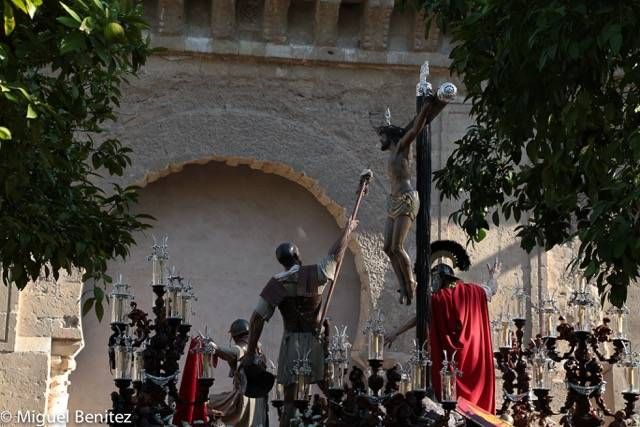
(393,397)
(582,362)
(144,355)
(511,358)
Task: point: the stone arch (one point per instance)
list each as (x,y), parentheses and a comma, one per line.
(312,186)
(220,283)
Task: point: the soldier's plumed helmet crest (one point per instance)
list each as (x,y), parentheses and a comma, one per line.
(287,254)
(452,251)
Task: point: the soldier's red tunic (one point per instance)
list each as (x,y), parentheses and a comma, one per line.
(460,322)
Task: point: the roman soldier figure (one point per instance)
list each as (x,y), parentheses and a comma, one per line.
(297,292)
(460,323)
(236,409)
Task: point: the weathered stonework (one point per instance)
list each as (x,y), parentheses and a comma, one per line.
(170,17)
(42,339)
(325,22)
(223,18)
(275,20)
(422,40)
(375,26)
(242,97)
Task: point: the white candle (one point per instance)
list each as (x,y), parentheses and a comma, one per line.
(376,346)
(506,335)
(158,273)
(632,380)
(123,363)
(117,310)
(550,330)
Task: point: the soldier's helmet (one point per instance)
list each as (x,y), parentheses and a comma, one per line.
(287,254)
(239,327)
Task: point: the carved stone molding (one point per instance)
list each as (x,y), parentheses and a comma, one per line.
(375,27)
(275,20)
(171,17)
(325,22)
(223,18)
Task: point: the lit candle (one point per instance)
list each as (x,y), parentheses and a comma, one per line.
(302,387)
(405,383)
(632,379)
(157,270)
(375,336)
(376,346)
(419,377)
(620,325)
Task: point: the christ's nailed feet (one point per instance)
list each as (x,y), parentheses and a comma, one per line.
(405,298)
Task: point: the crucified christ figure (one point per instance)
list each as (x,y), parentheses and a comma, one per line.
(403,202)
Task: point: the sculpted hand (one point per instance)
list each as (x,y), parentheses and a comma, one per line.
(389,339)
(352,225)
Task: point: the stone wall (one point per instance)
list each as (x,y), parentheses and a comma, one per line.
(284,87)
(41,336)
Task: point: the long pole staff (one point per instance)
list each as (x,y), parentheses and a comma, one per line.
(365,179)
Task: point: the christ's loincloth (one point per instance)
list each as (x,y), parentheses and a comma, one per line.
(406,203)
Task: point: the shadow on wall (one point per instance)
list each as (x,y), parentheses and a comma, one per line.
(223,225)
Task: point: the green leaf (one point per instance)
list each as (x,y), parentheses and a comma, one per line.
(5,133)
(20,4)
(87,305)
(591,269)
(4,54)
(71,12)
(87,25)
(480,235)
(74,42)
(31,112)
(99,310)
(31,8)
(9,19)
(67,21)
(496,218)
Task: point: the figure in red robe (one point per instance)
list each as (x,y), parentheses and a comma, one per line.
(460,323)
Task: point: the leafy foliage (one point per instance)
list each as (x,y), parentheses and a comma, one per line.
(554,90)
(61,65)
